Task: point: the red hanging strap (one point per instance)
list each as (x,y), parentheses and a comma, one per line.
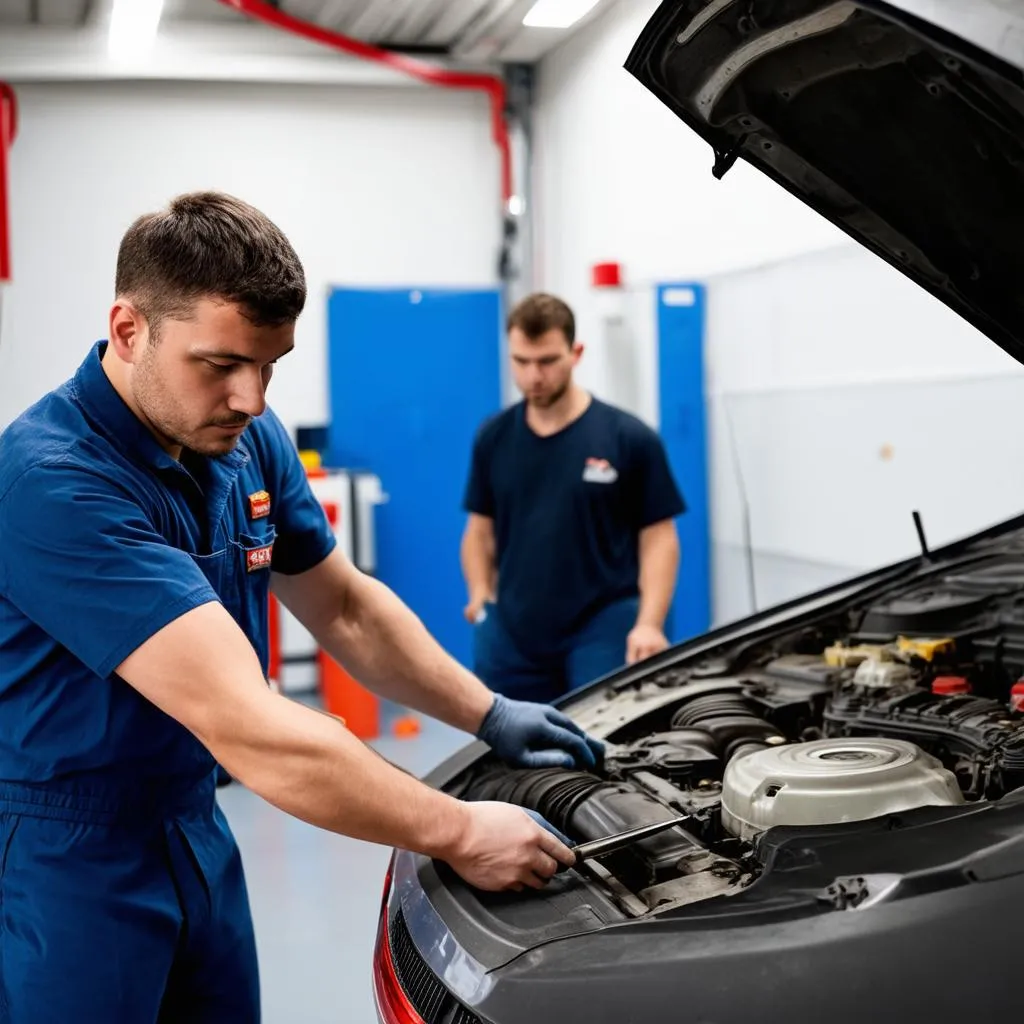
(8,129)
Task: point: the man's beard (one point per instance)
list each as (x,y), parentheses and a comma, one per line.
(194,442)
(547,401)
(167,420)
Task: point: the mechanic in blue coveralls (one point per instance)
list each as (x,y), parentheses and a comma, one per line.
(147,506)
(570,552)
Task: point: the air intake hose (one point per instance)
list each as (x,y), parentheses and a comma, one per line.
(586,807)
(555,793)
(727,718)
(1012,763)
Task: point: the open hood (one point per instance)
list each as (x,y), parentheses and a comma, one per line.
(902,122)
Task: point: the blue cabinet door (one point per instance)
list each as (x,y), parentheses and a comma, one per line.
(413,372)
(684,432)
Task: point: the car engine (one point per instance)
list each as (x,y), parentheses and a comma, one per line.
(911,699)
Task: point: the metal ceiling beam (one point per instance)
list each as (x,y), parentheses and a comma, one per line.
(369,23)
(342,15)
(500,21)
(333,12)
(397,11)
(417,20)
(213,51)
(306,9)
(451,21)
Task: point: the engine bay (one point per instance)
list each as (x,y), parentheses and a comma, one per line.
(910,697)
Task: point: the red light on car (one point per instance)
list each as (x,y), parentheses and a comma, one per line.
(393,1006)
(386,894)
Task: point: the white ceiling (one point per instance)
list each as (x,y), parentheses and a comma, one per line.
(463,32)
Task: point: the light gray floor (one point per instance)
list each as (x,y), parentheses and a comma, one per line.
(316,896)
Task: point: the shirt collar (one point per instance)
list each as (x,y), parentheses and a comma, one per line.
(109,412)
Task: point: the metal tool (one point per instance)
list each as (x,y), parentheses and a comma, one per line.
(599,847)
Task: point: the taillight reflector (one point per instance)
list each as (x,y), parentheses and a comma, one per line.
(393,1006)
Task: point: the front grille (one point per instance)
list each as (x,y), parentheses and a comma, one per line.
(432,1001)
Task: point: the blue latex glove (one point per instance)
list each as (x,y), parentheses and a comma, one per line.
(544,823)
(537,736)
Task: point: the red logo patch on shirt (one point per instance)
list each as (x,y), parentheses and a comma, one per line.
(259,505)
(259,558)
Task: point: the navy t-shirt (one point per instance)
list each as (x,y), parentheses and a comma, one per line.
(568,510)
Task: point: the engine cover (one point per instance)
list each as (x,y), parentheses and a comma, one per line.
(831,781)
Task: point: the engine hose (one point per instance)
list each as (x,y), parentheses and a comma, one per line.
(555,793)
(727,718)
(585,807)
(1012,757)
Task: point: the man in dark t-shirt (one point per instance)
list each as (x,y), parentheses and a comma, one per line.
(570,553)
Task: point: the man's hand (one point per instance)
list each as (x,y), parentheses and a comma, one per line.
(537,736)
(504,847)
(644,641)
(476,606)
(477,554)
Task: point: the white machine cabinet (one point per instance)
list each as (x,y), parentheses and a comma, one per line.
(350,499)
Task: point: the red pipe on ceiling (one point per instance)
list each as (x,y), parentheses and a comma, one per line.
(492,85)
(8,129)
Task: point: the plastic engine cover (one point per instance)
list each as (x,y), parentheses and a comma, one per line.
(830,781)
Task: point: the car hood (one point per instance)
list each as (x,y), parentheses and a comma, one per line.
(901,122)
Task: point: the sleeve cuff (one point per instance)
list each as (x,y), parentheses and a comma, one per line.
(662,515)
(150,627)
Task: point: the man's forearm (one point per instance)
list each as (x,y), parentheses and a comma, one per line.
(477,556)
(386,647)
(202,671)
(310,766)
(659,568)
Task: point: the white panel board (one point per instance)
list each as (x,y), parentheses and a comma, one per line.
(846,398)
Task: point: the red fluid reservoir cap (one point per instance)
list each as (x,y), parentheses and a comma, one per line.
(1017,696)
(947,685)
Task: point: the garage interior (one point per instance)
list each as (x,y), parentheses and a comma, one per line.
(433,162)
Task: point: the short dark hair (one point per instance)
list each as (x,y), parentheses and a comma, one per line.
(539,313)
(210,245)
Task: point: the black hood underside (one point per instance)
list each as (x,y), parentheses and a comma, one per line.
(906,137)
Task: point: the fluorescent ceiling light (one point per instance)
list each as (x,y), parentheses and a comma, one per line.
(133,25)
(557,13)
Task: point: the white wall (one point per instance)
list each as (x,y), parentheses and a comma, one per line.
(372,185)
(854,398)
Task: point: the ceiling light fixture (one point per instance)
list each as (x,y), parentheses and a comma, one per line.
(557,13)
(133,25)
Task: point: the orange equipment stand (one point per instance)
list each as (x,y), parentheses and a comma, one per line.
(343,697)
(348,700)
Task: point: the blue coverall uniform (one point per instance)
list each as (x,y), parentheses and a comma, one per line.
(122,896)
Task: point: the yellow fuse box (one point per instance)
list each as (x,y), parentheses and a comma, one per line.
(927,649)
